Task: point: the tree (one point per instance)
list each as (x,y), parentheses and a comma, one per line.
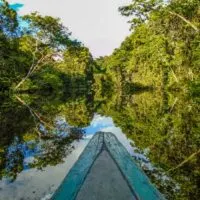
(141,10)
(8,45)
(8,19)
(162,50)
(48,36)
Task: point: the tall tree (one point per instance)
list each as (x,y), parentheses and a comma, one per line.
(48,36)
(140,10)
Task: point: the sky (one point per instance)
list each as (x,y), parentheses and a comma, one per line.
(96,23)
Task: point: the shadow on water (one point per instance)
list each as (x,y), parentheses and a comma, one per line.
(163,129)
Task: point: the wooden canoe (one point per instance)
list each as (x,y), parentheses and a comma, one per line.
(106,171)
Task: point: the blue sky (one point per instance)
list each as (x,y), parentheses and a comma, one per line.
(96,23)
(17,6)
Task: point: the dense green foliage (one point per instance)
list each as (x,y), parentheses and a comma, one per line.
(29,125)
(163,49)
(150,87)
(162,126)
(37,54)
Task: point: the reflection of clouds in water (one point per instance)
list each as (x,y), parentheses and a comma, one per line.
(97,124)
(98,119)
(106,124)
(37,184)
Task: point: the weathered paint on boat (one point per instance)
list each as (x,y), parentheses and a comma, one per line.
(136,180)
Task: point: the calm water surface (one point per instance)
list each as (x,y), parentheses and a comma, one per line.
(42,137)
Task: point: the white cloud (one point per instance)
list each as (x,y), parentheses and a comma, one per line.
(99,120)
(97,23)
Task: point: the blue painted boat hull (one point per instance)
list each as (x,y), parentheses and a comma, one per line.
(136,184)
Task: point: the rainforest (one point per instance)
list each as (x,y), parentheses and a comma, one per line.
(52,89)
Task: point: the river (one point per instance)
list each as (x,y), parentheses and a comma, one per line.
(41,137)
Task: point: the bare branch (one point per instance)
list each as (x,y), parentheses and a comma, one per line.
(185,20)
(32,69)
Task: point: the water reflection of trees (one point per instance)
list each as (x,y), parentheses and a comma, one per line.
(30,136)
(163,126)
(166,128)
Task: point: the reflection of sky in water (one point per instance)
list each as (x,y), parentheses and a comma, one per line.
(99,123)
(62,130)
(32,183)
(106,124)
